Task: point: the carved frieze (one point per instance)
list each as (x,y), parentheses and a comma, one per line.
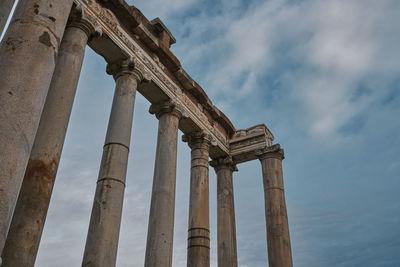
(151,68)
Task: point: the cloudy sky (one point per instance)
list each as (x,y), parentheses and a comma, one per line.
(324,76)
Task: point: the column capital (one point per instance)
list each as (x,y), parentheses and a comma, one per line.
(169,106)
(125,67)
(199,139)
(79,18)
(224,163)
(274,151)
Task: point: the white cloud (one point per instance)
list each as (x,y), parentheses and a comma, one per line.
(336,44)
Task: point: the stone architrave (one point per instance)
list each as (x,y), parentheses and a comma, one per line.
(278,237)
(30,212)
(226,226)
(161,220)
(27,60)
(199,208)
(102,240)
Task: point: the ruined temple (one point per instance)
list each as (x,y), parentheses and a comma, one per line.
(41,57)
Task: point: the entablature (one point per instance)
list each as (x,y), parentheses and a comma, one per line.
(117,43)
(246,144)
(127,34)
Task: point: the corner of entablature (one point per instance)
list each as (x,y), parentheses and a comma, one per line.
(257,130)
(274,151)
(244,143)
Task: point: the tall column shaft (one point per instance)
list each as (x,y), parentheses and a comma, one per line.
(30,212)
(161,220)
(27,59)
(227,249)
(199,210)
(278,238)
(102,239)
(5,10)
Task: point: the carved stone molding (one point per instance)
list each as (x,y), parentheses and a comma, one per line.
(224,163)
(274,151)
(153,69)
(127,67)
(199,139)
(80,18)
(244,143)
(167,107)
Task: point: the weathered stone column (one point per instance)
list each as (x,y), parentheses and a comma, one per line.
(102,240)
(27,59)
(199,210)
(278,238)
(5,10)
(30,212)
(227,249)
(161,220)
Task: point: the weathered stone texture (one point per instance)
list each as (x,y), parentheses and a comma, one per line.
(199,211)
(5,10)
(278,237)
(161,220)
(102,240)
(226,226)
(27,60)
(34,198)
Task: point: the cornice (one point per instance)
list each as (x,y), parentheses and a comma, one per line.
(245,144)
(274,151)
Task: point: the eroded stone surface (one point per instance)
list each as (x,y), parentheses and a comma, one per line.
(226,226)
(278,237)
(102,240)
(32,205)
(23,88)
(161,219)
(199,211)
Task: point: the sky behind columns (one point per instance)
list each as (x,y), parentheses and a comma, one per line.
(324,76)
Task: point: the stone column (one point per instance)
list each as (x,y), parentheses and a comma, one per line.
(199,210)
(278,238)
(227,249)
(102,240)
(27,59)
(30,212)
(161,220)
(5,10)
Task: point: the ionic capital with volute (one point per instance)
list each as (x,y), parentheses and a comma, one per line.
(79,18)
(199,139)
(126,67)
(274,151)
(223,163)
(169,106)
